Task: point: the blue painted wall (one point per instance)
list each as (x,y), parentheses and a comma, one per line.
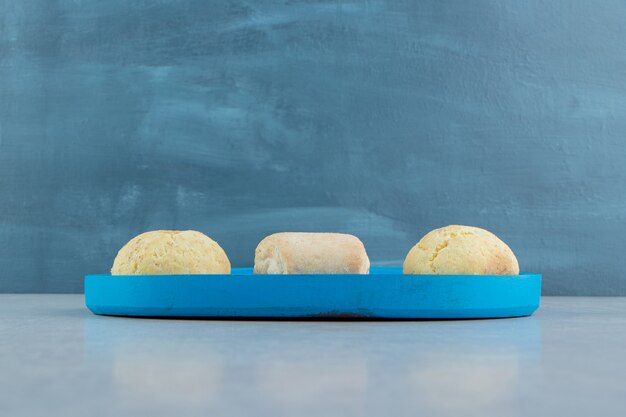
(380,118)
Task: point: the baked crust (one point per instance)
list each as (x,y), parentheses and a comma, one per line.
(171,252)
(311,253)
(461,250)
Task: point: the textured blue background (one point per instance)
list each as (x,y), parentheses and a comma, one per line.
(381,118)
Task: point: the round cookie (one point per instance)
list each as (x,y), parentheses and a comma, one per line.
(171,252)
(461,250)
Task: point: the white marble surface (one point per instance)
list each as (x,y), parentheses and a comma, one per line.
(56,358)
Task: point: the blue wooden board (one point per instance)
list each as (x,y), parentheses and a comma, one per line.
(384,293)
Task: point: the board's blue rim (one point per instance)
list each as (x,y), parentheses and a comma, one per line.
(322,296)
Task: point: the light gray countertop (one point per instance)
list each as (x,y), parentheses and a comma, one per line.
(56,358)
